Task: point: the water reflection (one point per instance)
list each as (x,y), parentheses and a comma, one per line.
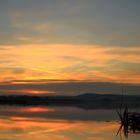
(58,123)
(36,109)
(24,129)
(62,113)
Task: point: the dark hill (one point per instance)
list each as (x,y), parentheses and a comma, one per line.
(87,100)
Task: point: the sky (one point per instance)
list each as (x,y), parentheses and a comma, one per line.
(80,40)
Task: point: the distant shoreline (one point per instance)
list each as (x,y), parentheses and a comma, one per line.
(85,101)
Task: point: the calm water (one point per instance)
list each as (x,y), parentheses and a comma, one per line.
(59,123)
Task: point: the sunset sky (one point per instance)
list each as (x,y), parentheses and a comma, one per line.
(82,40)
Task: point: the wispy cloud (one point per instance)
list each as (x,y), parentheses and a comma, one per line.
(70,22)
(64,61)
(70,40)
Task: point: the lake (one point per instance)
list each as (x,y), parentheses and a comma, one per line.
(59,123)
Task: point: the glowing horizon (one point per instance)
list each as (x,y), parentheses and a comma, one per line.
(79,40)
(69,62)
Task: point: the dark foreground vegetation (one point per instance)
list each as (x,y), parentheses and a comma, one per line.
(86,101)
(130,122)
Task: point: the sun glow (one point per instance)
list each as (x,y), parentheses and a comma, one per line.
(69,62)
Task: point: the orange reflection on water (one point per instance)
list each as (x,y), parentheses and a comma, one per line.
(37,109)
(15,118)
(42,129)
(13,110)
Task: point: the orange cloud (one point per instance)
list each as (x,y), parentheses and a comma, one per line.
(65,62)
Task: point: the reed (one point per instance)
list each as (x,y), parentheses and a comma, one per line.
(129,122)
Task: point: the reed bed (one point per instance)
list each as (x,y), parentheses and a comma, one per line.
(130,122)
